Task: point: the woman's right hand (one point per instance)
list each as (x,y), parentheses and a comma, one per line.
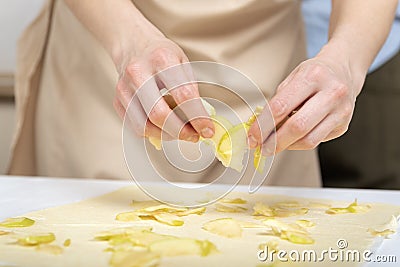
(149,111)
(139,50)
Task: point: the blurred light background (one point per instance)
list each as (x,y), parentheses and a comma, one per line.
(15,15)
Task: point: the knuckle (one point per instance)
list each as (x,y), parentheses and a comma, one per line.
(341,91)
(122,91)
(347,111)
(163,56)
(120,88)
(160,51)
(278,107)
(314,73)
(158,113)
(135,73)
(185,93)
(298,124)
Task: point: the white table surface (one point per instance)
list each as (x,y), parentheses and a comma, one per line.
(19,195)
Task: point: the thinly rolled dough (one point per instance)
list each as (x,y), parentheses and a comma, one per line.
(81,221)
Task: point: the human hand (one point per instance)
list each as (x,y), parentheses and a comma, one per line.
(313,104)
(150,114)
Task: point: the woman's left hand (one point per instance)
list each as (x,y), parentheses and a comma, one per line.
(317,101)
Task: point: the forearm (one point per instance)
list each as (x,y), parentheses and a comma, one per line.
(118,25)
(358,29)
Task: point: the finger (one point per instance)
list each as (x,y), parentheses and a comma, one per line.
(344,116)
(269,146)
(288,79)
(154,131)
(264,121)
(119,108)
(187,97)
(137,119)
(161,115)
(290,95)
(304,120)
(124,101)
(336,133)
(155,107)
(339,121)
(317,135)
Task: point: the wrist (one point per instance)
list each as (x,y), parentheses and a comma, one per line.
(341,54)
(132,38)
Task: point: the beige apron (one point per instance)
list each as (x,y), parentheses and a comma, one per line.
(65,81)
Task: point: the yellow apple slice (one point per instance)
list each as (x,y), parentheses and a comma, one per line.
(297,237)
(163,208)
(4,232)
(233,201)
(67,242)
(209,108)
(198,211)
(161,213)
(305,223)
(229,142)
(280,212)
(259,160)
(221,125)
(129,216)
(261,209)
(17,222)
(34,240)
(122,238)
(291,232)
(107,235)
(385,233)
(156,142)
(233,146)
(142,239)
(169,219)
(272,245)
(253,117)
(355,208)
(142,247)
(352,208)
(134,258)
(279,226)
(226,227)
(388,230)
(230,209)
(287,204)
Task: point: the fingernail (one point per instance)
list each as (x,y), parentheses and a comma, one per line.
(253,141)
(193,138)
(207,132)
